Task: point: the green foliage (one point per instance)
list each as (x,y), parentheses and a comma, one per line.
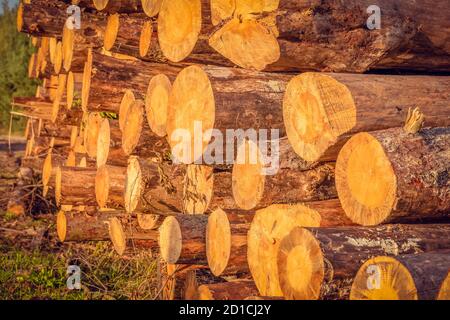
(42,275)
(15,52)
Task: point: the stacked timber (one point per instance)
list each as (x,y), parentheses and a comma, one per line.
(198,139)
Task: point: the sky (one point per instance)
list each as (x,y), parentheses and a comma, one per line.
(12,3)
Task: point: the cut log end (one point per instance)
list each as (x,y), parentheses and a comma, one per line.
(19,19)
(47,169)
(92,129)
(103,142)
(444,291)
(100,4)
(145,38)
(112,28)
(58,58)
(86,86)
(133,125)
(268,228)
(191,104)
(148,221)
(317,109)
(157,103)
(151,7)
(300,265)
(218,241)
(102,186)
(248,177)
(61,225)
(247,43)
(118,236)
(127,100)
(133,184)
(383,278)
(58,189)
(198,190)
(170,240)
(179,24)
(365,180)
(67,47)
(70,89)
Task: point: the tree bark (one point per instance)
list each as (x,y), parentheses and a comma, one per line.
(335,254)
(233,290)
(182,239)
(296,35)
(76,186)
(400,177)
(154,187)
(78,226)
(333,107)
(411,277)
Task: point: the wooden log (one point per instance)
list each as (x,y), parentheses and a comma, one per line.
(75,186)
(92,123)
(121,6)
(110,186)
(20,198)
(182,239)
(52,161)
(112,77)
(73,90)
(268,228)
(79,226)
(109,144)
(317,129)
(255,98)
(406,277)
(393,176)
(148,221)
(132,34)
(233,290)
(226,243)
(151,7)
(126,235)
(138,139)
(207,189)
(255,187)
(153,187)
(288,35)
(328,258)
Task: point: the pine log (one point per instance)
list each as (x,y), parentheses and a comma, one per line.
(53,160)
(131,34)
(138,139)
(109,144)
(182,239)
(328,258)
(112,77)
(202,99)
(322,111)
(296,35)
(393,176)
(255,188)
(226,243)
(110,186)
(233,290)
(153,187)
(78,226)
(75,186)
(148,221)
(207,189)
(20,198)
(114,6)
(126,235)
(268,228)
(406,277)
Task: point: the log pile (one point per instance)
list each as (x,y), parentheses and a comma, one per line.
(152,132)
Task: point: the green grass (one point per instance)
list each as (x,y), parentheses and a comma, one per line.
(42,275)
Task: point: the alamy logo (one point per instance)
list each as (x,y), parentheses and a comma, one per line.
(374,277)
(74,277)
(374,20)
(74,20)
